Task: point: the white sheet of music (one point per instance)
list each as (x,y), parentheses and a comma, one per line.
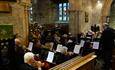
(30,46)
(77,49)
(50,57)
(59,48)
(95,45)
(82,42)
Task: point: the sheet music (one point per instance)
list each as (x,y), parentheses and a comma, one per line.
(59,48)
(77,49)
(95,45)
(82,42)
(30,46)
(50,57)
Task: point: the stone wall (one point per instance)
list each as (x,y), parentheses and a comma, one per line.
(18,18)
(44,12)
(94,11)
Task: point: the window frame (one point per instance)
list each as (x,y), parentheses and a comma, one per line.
(63,17)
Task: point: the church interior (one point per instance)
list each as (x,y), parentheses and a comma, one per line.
(62,34)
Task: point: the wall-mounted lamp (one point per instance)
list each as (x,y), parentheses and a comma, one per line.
(99,4)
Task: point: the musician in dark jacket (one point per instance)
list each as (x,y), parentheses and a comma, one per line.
(107,45)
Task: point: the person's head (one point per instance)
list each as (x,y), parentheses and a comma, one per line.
(29,58)
(65,35)
(17,41)
(56,25)
(105,25)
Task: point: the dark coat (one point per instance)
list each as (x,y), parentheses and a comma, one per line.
(26,67)
(107,45)
(107,39)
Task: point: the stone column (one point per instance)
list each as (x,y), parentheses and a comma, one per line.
(25,20)
(74,13)
(105,11)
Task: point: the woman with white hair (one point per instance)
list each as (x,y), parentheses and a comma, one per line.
(30,62)
(29,58)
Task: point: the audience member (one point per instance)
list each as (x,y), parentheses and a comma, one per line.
(19,52)
(30,63)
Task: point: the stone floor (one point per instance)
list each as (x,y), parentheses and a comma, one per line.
(99,64)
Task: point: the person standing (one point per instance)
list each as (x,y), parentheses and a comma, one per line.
(107,45)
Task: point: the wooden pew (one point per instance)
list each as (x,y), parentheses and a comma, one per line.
(78,63)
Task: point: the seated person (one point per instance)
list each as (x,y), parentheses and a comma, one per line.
(19,52)
(30,63)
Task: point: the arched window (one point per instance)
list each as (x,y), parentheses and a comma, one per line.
(62,12)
